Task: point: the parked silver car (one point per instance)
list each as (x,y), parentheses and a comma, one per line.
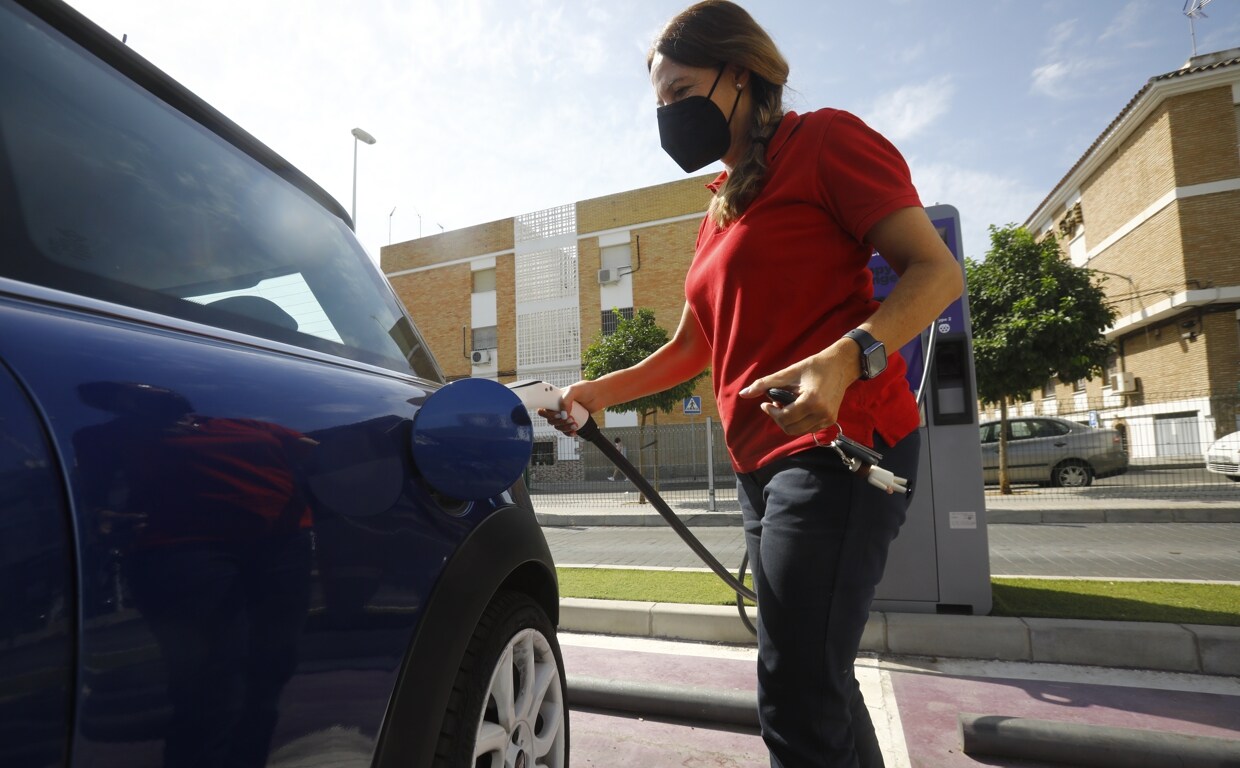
(1046,450)
(1223,456)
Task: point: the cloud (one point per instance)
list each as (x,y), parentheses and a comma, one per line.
(1054,79)
(911,109)
(1125,23)
(1062,36)
(983,198)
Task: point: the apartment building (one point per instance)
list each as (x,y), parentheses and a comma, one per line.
(520,298)
(1154,206)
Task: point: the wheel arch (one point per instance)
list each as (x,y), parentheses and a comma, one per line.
(1072,461)
(506,551)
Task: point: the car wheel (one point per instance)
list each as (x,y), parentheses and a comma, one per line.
(1072,474)
(1234,478)
(507,708)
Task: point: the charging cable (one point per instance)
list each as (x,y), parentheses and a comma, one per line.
(539,394)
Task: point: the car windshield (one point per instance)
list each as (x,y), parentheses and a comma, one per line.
(108,192)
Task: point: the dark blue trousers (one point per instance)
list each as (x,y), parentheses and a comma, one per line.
(817,537)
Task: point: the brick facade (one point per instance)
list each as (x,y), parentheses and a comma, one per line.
(431,275)
(1158,197)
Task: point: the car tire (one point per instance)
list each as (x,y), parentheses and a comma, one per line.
(509,694)
(1234,478)
(1072,474)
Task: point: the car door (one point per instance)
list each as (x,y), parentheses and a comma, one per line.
(37,596)
(227,385)
(989,436)
(1031,450)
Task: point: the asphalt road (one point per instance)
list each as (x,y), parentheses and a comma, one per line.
(1191,551)
(1187,477)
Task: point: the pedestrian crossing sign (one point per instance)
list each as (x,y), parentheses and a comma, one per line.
(693,405)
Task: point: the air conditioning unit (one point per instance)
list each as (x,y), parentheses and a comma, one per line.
(1123,383)
(608,276)
(480,356)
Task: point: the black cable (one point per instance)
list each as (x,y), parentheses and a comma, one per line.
(591,432)
(740,600)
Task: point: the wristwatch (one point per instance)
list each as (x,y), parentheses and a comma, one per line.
(873,353)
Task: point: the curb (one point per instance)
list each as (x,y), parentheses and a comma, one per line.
(1091,745)
(998,516)
(1190,648)
(676,701)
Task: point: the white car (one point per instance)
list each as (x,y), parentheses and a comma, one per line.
(1224,456)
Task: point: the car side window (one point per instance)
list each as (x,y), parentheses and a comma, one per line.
(988,433)
(1021,429)
(1050,429)
(108,192)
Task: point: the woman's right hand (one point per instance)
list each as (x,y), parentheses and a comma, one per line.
(587,393)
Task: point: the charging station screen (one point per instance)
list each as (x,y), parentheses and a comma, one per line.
(952,319)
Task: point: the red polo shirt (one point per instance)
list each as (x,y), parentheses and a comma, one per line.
(789,278)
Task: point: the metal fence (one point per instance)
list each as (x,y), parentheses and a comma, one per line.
(1156,451)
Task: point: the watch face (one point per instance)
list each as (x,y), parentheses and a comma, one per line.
(875,360)
(873,353)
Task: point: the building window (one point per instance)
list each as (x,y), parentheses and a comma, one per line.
(610,321)
(485,338)
(1078,385)
(543,453)
(617,258)
(1048,389)
(1072,219)
(483,280)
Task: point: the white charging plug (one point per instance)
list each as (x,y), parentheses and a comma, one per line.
(535,394)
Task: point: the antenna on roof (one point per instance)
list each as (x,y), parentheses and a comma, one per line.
(1193,9)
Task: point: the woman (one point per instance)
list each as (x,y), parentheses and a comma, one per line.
(779,296)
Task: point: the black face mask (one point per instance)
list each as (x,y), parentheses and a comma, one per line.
(694,131)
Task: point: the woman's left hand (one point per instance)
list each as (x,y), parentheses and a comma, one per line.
(818,381)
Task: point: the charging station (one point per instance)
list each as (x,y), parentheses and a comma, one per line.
(940,562)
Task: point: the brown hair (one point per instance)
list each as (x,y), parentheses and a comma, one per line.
(712,32)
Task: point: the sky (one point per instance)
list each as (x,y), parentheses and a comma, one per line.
(486,109)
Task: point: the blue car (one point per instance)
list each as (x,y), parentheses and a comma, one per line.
(231,531)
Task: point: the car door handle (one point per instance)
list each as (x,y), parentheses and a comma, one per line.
(1060,444)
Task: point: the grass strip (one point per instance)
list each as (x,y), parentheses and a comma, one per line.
(1160,601)
(1166,601)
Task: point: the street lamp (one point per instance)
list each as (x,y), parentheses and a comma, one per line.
(390,225)
(358,135)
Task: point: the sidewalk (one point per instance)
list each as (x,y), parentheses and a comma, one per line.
(661,704)
(1192,648)
(1010,689)
(664,685)
(1102,504)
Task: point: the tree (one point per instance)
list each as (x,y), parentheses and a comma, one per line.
(1035,315)
(634,340)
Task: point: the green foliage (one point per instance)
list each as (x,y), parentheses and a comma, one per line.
(1095,599)
(1178,602)
(684,587)
(1035,315)
(633,341)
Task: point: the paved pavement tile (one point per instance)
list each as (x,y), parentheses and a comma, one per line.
(931,695)
(914,703)
(610,741)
